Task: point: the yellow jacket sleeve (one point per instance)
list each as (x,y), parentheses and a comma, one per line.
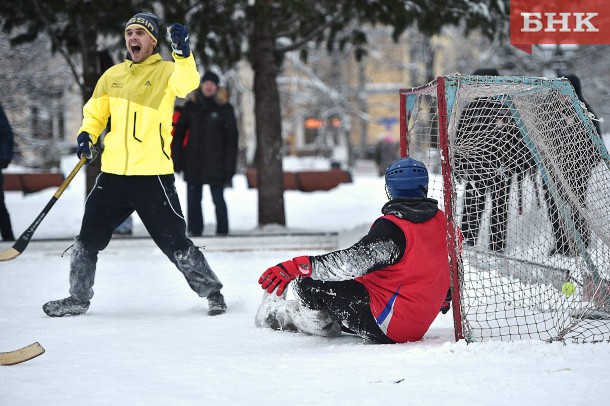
(185,77)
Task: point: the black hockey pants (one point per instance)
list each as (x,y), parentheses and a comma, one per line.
(154,198)
(347,301)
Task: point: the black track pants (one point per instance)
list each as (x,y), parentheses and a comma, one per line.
(154,198)
(348,301)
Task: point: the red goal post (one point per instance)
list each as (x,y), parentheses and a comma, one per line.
(520,170)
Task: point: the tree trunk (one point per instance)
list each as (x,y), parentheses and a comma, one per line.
(268,120)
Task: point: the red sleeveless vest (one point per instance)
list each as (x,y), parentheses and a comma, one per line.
(407,296)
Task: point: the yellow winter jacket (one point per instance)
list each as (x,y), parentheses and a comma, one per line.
(140,99)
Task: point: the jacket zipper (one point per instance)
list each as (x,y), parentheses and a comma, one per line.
(126,140)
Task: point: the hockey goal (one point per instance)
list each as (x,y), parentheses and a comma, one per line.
(524,178)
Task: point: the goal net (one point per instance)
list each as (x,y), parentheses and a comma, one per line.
(519,168)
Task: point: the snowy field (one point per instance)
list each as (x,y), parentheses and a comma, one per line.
(147,340)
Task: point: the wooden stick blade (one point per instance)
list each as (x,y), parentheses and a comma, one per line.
(9,254)
(21,355)
(25,238)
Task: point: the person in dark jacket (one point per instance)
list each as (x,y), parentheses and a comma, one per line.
(209,154)
(486,133)
(6,156)
(386,288)
(387,151)
(576,159)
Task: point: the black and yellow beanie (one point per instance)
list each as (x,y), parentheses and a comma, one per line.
(148,21)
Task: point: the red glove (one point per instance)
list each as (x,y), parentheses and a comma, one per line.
(280,275)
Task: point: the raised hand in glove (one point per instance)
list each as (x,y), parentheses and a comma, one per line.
(279,276)
(179,38)
(85,146)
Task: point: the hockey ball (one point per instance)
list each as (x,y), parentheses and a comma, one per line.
(568,289)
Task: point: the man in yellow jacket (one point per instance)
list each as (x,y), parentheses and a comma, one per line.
(137,169)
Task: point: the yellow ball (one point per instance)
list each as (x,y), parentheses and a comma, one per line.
(568,289)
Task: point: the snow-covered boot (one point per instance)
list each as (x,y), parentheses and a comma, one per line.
(65,307)
(289,315)
(267,311)
(216,304)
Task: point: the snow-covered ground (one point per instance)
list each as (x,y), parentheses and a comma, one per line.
(147,340)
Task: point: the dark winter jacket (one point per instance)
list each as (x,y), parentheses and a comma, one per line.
(386,152)
(402,263)
(210,154)
(571,143)
(6,141)
(489,143)
(575,81)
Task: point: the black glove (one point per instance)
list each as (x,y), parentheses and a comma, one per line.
(85,146)
(446,305)
(4,163)
(179,38)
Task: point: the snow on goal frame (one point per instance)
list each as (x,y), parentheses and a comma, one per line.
(518,167)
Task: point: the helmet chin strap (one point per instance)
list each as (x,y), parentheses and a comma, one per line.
(387,192)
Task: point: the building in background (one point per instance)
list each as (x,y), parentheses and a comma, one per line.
(38,99)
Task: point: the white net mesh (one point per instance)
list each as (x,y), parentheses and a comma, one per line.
(529,188)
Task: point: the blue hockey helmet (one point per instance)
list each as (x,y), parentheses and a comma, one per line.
(406,177)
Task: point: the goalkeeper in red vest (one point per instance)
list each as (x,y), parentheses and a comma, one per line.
(386,288)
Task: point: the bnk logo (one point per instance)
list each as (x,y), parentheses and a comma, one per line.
(563,22)
(558,22)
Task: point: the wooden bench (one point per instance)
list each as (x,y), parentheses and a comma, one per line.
(310,181)
(31,182)
(306,181)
